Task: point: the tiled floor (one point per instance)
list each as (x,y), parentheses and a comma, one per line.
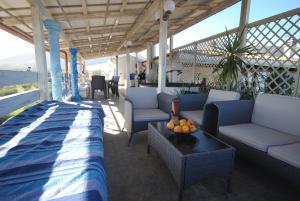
(132,175)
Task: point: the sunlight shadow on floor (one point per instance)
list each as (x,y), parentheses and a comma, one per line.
(114,120)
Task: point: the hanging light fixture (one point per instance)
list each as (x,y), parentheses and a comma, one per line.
(157,15)
(129,43)
(169,6)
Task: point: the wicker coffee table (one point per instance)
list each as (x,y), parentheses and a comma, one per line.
(193,157)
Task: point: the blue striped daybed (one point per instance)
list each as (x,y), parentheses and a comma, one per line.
(53,151)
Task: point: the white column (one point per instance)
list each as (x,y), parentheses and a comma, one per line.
(171,43)
(162,62)
(195,62)
(127,71)
(117,66)
(79,66)
(298,81)
(149,57)
(153,51)
(171,59)
(40,56)
(244,17)
(136,63)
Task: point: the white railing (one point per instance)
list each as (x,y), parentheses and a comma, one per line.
(15,101)
(276,67)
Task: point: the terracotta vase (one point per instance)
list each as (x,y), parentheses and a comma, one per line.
(175,107)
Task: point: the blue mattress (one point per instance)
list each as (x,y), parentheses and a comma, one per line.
(53,151)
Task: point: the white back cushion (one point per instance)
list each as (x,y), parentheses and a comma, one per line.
(142,98)
(281,113)
(220,95)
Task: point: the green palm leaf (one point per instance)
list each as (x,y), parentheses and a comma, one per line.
(232,64)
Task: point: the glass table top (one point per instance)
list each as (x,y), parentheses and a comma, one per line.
(197,142)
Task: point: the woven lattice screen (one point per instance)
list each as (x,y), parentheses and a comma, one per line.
(275,69)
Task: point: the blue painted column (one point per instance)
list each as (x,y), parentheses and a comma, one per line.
(54,29)
(76,96)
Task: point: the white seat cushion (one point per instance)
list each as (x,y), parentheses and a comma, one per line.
(257,136)
(288,153)
(150,115)
(195,115)
(281,113)
(220,95)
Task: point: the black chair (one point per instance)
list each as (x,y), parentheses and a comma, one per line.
(98,82)
(114,85)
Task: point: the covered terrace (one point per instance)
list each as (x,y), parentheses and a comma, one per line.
(80,30)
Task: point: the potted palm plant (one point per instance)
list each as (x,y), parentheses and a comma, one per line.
(232,63)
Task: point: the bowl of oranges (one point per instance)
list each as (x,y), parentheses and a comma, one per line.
(182,126)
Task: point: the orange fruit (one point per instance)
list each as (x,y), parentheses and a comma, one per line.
(185,129)
(170,125)
(190,122)
(176,122)
(177,129)
(182,122)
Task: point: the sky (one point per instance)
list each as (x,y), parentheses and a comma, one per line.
(259,9)
(11,45)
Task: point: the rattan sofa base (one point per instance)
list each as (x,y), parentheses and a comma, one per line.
(279,168)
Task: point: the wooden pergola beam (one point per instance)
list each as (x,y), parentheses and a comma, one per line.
(93,28)
(183,23)
(88,42)
(106,12)
(85,13)
(139,30)
(123,7)
(97,32)
(85,40)
(105,48)
(94,43)
(64,14)
(45,14)
(16,32)
(78,6)
(91,55)
(74,16)
(148,14)
(104,43)
(180,5)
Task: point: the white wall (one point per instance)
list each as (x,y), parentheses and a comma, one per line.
(105,69)
(122,67)
(153,72)
(108,68)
